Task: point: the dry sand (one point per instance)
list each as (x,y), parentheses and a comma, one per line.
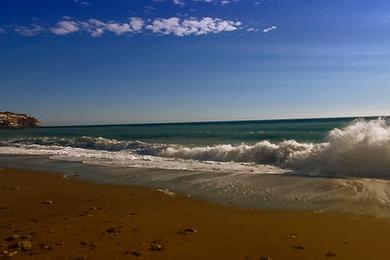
(44,216)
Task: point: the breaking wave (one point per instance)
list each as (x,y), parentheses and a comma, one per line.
(361,149)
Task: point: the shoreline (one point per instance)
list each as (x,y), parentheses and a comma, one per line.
(72,219)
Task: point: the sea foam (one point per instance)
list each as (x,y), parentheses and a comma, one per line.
(360,149)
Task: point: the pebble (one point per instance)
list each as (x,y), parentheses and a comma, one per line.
(22,245)
(188,230)
(87,244)
(47,202)
(12,238)
(8,254)
(156,246)
(330,254)
(134,253)
(48,247)
(112,231)
(192,230)
(265,258)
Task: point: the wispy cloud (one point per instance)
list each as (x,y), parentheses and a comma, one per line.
(30,30)
(81,2)
(2,30)
(183,2)
(178,2)
(269,29)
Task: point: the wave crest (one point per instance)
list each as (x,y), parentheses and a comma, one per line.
(359,149)
(263,152)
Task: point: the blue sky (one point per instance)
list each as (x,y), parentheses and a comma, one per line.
(130,61)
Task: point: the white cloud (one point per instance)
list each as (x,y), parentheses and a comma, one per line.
(192,26)
(30,30)
(96,27)
(222,2)
(118,28)
(137,23)
(80,2)
(178,2)
(269,29)
(65,27)
(163,26)
(2,31)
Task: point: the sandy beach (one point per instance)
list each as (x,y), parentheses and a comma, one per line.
(45,216)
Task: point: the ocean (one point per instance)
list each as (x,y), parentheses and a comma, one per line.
(332,164)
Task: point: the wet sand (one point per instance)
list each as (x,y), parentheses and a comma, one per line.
(45,216)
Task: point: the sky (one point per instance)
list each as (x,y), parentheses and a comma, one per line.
(70,62)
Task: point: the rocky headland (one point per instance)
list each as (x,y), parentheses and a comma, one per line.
(14,120)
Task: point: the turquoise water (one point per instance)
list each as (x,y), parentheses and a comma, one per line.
(311,130)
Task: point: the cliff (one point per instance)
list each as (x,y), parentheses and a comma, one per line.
(13,120)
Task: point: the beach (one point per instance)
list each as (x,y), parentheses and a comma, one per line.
(46,216)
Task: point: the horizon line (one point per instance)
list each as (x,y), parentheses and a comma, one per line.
(219,121)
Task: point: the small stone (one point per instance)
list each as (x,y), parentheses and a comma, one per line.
(156,246)
(47,202)
(330,254)
(12,238)
(93,208)
(134,253)
(48,247)
(11,254)
(298,247)
(191,230)
(84,243)
(293,235)
(265,258)
(26,245)
(22,245)
(112,231)
(187,230)
(87,244)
